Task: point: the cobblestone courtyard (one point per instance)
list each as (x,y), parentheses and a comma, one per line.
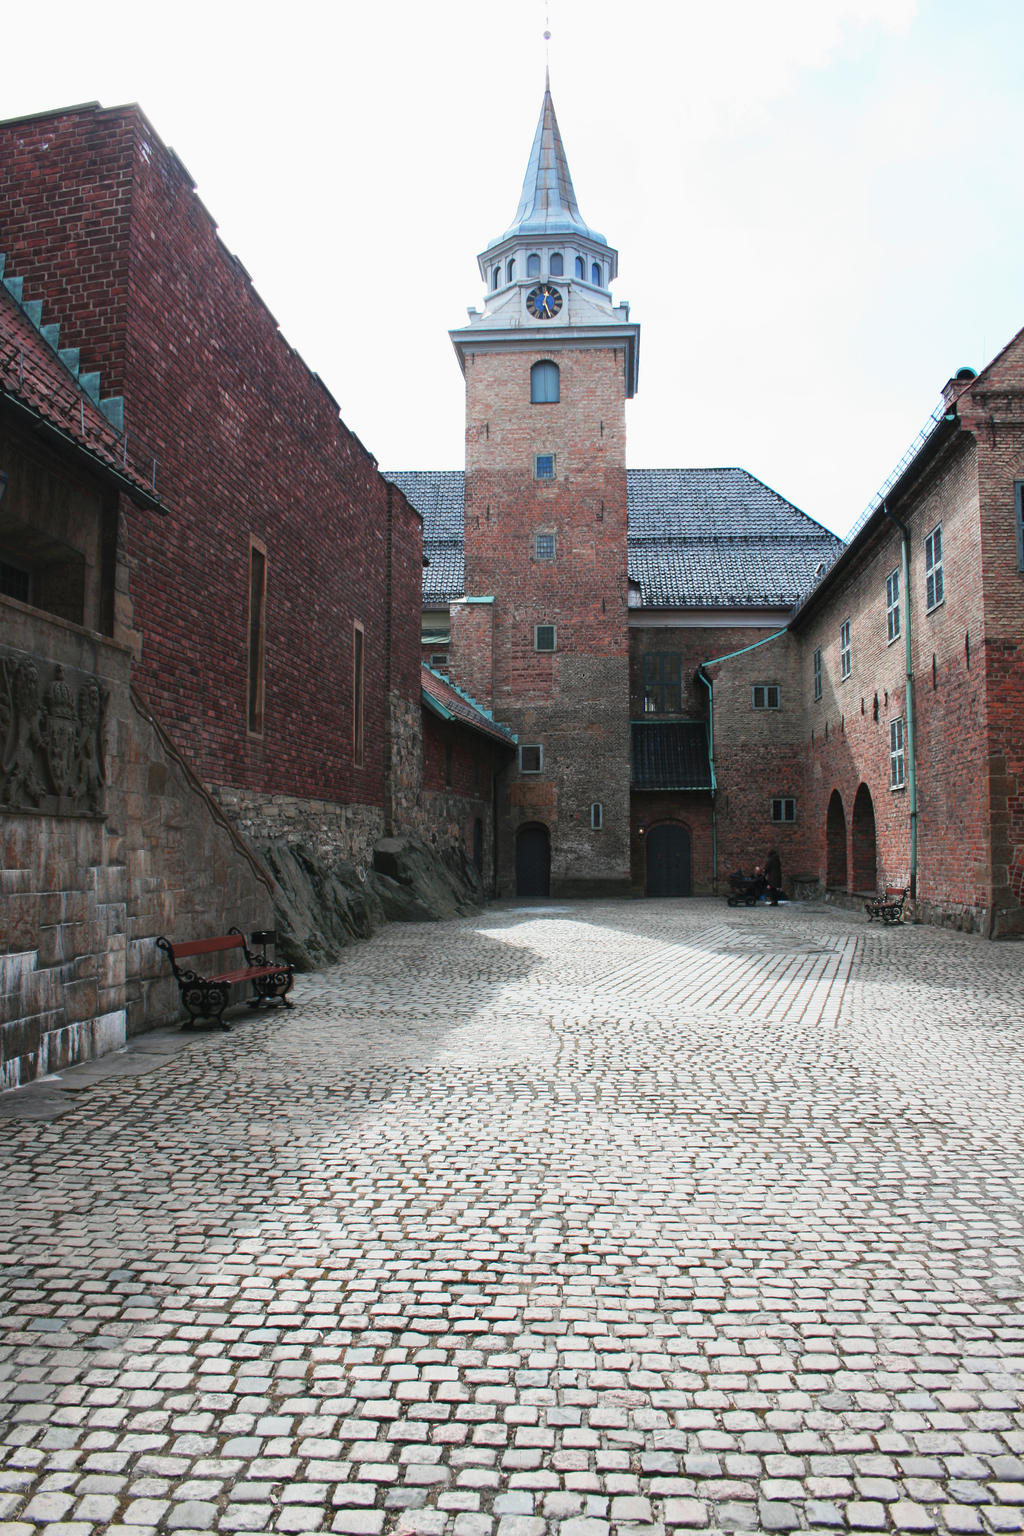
(607,1218)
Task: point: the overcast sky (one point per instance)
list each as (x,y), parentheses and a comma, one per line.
(817,203)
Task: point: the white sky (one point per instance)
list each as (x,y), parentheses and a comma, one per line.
(817,203)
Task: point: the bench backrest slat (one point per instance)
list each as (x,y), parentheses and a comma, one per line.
(207,946)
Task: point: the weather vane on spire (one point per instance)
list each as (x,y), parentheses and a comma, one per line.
(547,40)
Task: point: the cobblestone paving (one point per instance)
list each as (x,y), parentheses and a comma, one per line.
(609,1218)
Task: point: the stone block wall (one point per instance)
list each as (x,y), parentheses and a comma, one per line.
(88,885)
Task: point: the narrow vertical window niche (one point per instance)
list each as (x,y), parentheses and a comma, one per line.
(255,683)
(358,692)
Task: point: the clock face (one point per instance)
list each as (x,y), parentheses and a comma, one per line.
(544,302)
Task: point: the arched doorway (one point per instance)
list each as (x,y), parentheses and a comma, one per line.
(668,860)
(533,860)
(862,827)
(835,843)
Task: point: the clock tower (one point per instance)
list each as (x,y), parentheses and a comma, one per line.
(541,635)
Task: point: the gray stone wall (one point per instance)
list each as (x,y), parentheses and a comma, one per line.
(405,772)
(114,845)
(329,832)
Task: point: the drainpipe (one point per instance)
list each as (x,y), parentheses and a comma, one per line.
(711,765)
(711,735)
(911,749)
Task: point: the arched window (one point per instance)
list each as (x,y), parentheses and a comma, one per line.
(495,277)
(510,271)
(581,267)
(533,265)
(544,383)
(595,275)
(556,264)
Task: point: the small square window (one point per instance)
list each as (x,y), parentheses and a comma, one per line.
(766,696)
(544,637)
(439,661)
(934,584)
(543,546)
(845,650)
(892,607)
(897,759)
(817,673)
(544,466)
(597,815)
(783,808)
(531,759)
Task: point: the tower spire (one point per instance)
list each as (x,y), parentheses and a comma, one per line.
(547,204)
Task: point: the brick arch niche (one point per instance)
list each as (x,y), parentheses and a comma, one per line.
(835,843)
(862,827)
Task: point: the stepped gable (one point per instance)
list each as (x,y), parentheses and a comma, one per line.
(448,701)
(37,377)
(438,495)
(720,538)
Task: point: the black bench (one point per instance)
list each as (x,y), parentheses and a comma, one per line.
(206,996)
(888,905)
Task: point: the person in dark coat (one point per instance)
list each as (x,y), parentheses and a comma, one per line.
(773,877)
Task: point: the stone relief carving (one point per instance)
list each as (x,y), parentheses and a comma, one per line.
(51,738)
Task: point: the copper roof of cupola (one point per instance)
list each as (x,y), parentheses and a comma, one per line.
(547,205)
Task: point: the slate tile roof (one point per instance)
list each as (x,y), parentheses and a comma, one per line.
(450,702)
(709,538)
(438,496)
(670,754)
(698,538)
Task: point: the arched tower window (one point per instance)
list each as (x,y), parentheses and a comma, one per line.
(556,264)
(533,265)
(595,275)
(510,270)
(495,277)
(581,267)
(544,384)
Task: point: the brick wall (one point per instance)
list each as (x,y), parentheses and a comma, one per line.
(102,222)
(577,695)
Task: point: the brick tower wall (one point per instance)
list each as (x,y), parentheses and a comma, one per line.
(573,702)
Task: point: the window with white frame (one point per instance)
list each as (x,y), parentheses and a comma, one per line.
(765,696)
(817,673)
(543,546)
(845,650)
(597,815)
(934,585)
(545,637)
(783,808)
(897,755)
(892,607)
(544,466)
(531,758)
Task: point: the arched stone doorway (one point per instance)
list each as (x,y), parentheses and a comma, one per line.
(835,843)
(668,860)
(862,827)
(533,860)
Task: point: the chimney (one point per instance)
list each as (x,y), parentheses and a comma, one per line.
(955,386)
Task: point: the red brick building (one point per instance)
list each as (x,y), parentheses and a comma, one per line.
(265,621)
(696,671)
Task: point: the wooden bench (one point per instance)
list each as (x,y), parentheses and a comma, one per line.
(889,904)
(205,996)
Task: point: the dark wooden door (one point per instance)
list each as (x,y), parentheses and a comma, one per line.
(533,861)
(668,861)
